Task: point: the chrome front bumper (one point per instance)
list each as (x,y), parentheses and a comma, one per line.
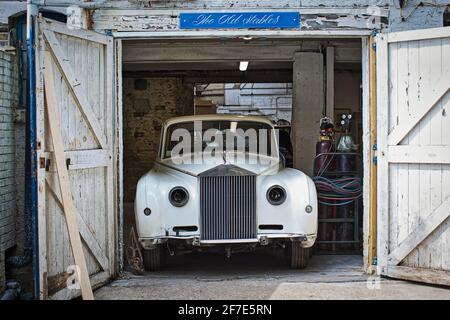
(262,239)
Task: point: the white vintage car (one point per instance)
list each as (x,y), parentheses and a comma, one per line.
(203,195)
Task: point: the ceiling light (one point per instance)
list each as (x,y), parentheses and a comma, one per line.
(247,38)
(243,65)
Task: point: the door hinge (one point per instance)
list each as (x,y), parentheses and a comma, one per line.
(375,158)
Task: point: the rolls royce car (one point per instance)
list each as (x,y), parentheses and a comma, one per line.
(221,183)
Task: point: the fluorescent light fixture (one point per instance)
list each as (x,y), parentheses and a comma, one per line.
(243,65)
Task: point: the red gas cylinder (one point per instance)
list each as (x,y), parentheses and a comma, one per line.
(323,161)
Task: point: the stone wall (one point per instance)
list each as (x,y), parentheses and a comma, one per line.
(147,104)
(8,101)
(4,35)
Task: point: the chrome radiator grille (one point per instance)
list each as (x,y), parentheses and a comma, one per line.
(228,207)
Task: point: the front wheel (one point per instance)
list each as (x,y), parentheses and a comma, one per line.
(154,259)
(297,257)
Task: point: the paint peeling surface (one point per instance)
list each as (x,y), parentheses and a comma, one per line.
(311,19)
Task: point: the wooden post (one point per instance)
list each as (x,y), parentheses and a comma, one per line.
(64,181)
(308,107)
(372,250)
(330,83)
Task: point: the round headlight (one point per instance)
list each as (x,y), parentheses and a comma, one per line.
(178,196)
(276,195)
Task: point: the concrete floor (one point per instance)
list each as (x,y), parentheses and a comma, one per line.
(260,276)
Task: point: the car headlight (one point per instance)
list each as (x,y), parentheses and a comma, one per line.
(178,196)
(276,195)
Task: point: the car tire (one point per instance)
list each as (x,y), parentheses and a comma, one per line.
(154,259)
(297,256)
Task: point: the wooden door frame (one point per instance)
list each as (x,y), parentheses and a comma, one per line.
(369,186)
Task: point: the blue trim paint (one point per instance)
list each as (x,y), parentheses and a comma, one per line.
(240,20)
(33,137)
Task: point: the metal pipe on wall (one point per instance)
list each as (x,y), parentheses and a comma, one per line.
(31,13)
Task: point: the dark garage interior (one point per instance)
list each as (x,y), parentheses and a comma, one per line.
(204,78)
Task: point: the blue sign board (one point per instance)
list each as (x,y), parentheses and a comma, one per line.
(240,20)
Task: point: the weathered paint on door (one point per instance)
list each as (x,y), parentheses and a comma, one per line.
(413,74)
(82,65)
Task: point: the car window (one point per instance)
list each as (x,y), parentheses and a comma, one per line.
(251,136)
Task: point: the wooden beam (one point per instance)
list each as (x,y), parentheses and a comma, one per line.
(431,276)
(77,88)
(419,154)
(218,76)
(201,52)
(97,281)
(83,159)
(66,195)
(330,83)
(61,28)
(420,233)
(407,124)
(416,35)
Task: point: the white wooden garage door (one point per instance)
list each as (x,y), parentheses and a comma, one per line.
(413,77)
(75,116)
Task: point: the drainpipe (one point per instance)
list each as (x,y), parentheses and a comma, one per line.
(31,13)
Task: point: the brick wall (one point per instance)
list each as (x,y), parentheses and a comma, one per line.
(8,101)
(147,104)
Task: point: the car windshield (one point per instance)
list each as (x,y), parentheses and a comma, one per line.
(218,136)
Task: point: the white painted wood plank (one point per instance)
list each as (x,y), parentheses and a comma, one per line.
(434,95)
(382,128)
(420,275)
(445,133)
(402,213)
(77,88)
(110,221)
(423,67)
(434,121)
(69,208)
(42,221)
(419,154)
(393,169)
(422,231)
(85,231)
(413,139)
(118,158)
(109,12)
(366,145)
(214,34)
(421,34)
(60,27)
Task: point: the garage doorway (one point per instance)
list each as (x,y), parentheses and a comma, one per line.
(168,78)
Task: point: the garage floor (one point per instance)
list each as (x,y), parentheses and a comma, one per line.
(262,275)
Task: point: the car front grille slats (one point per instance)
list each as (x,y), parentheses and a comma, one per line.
(228,207)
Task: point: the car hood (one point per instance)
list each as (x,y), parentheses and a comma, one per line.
(248,163)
